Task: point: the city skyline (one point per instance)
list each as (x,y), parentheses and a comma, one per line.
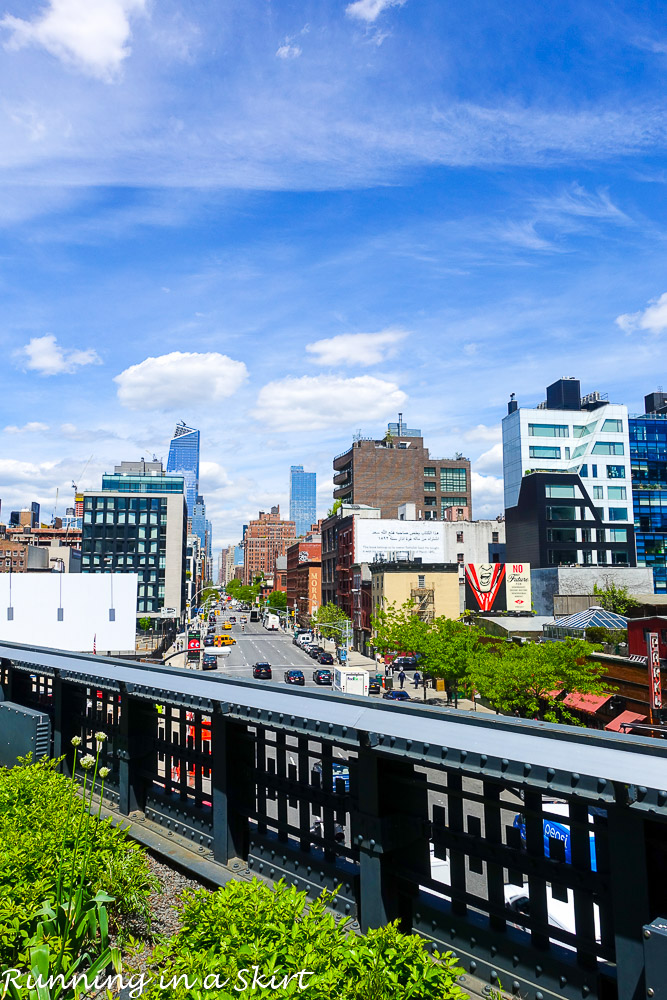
(365,241)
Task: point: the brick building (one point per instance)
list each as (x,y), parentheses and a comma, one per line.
(398,469)
(266,538)
(13,556)
(304,575)
(70,537)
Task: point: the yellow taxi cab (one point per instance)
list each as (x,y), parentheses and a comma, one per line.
(227,625)
(224,640)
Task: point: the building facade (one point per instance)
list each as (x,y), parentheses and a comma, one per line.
(266,537)
(432,587)
(302,499)
(566,467)
(648,458)
(138,524)
(184,461)
(398,469)
(304,575)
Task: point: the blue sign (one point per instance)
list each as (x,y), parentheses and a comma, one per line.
(342,655)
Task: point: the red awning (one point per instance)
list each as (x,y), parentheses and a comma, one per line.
(590,703)
(616,725)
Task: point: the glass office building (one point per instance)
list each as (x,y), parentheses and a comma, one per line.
(184,461)
(648,456)
(302,501)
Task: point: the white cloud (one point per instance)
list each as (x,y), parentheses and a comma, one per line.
(370,10)
(288,51)
(34,427)
(315,402)
(159,383)
(45,356)
(491,460)
(487,495)
(357,348)
(213,476)
(92,35)
(653,319)
(482,432)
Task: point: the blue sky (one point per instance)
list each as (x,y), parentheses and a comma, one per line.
(283,222)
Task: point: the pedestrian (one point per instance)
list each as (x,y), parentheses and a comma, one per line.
(416,679)
(448,692)
(401,678)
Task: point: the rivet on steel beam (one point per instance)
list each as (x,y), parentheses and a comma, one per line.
(473,966)
(371,844)
(563,980)
(473,942)
(602,784)
(444,751)
(493,949)
(516,986)
(344,731)
(539,995)
(464,754)
(493,975)
(292,719)
(527,768)
(538,970)
(408,744)
(647,934)
(504,763)
(575,778)
(642,790)
(483,759)
(551,774)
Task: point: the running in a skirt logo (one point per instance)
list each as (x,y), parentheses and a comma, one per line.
(245,980)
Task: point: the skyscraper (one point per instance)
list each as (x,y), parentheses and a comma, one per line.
(184,461)
(302,505)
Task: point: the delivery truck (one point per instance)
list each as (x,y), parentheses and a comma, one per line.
(351,680)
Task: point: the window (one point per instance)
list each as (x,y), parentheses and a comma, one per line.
(561,534)
(429,470)
(608,448)
(562,492)
(421,581)
(616,493)
(586,535)
(567,452)
(579,450)
(594,471)
(581,430)
(494,536)
(598,493)
(618,513)
(460,557)
(459,536)
(429,487)
(565,557)
(618,535)
(561,513)
(537,451)
(612,427)
(453,479)
(429,501)
(583,471)
(619,558)
(548,430)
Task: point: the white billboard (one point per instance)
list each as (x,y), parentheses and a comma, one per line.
(390,539)
(72,611)
(517,586)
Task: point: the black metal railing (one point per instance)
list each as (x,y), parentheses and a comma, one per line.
(537,853)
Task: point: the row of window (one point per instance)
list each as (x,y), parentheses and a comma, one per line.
(569,557)
(121,517)
(563,492)
(587,535)
(450,479)
(568,513)
(554,452)
(609,426)
(124,503)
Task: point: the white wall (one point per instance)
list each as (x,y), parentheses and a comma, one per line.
(421,539)
(85,599)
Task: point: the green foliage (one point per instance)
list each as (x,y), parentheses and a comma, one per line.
(523,678)
(40,821)
(331,621)
(335,507)
(613,598)
(145,624)
(607,635)
(248,924)
(277,599)
(237,590)
(445,647)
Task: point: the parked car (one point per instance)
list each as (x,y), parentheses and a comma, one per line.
(396,696)
(406,662)
(322,676)
(294,677)
(374,685)
(262,671)
(314,651)
(304,639)
(210,662)
(325,658)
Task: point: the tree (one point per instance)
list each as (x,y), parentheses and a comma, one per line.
(331,621)
(444,647)
(277,599)
(334,508)
(144,624)
(525,678)
(613,598)
(245,594)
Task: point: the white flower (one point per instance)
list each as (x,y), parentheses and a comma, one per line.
(87,762)
(76,741)
(104,772)
(100,737)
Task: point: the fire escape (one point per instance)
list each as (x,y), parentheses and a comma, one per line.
(424,598)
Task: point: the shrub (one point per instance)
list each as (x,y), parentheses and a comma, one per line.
(248,924)
(36,828)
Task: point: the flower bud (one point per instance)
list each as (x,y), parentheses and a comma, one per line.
(87,762)
(100,737)
(76,741)
(104,772)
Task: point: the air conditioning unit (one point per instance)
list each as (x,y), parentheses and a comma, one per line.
(23,731)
